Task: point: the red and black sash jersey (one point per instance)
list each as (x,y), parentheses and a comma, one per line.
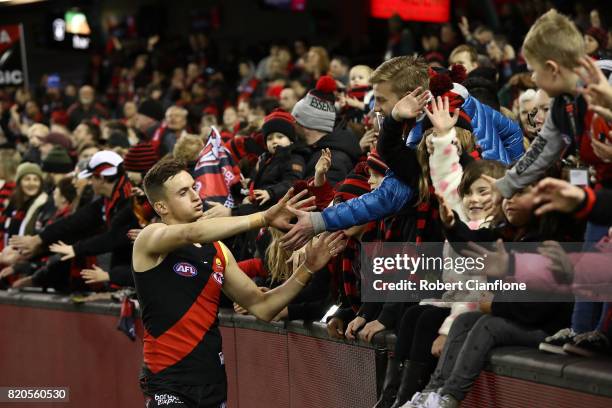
(179,301)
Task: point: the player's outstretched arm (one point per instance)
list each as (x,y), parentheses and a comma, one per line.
(240,288)
(159,239)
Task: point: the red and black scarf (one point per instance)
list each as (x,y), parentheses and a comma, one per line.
(121,192)
(345,269)
(426,213)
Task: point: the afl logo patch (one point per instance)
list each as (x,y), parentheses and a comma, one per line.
(185,269)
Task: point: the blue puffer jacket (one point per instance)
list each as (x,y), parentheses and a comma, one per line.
(499,138)
(388,199)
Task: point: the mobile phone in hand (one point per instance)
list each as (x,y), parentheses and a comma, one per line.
(379,120)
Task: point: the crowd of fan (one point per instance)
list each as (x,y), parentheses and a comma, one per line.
(473,142)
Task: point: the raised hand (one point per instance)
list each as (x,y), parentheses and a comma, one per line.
(321,249)
(262,196)
(496,262)
(597,90)
(464,26)
(595,19)
(557,195)
(133,234)
(322,167)
(288,207)
(67,251)
(368,140)
(26,244)
(95,275)
(411,105)
(440,116)
(562,267)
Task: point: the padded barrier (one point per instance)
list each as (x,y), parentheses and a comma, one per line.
(268,365)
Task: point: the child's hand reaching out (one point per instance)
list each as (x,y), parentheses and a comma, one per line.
(440,116)
(322,167)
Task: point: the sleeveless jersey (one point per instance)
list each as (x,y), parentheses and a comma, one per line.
(179,301)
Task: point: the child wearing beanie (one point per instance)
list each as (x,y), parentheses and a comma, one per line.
(377,169)
(281,165)
(596,42)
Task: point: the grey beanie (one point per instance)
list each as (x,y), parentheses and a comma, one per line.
(316,110)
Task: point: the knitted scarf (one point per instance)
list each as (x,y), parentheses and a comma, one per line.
(345,270)
(121,192)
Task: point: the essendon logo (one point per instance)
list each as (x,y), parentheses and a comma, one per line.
(321,104)
(185,269)
(217,268)
(218,277)
(217,265)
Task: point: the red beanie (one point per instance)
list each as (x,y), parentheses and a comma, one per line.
(376,164)
(281,122)
(441,84)
(355,184)
(140,158)
(601,36)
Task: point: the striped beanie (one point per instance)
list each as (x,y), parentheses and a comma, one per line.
(442,83)
(140,157)
(317,109)
(376,164)
(281,122)
(354,185)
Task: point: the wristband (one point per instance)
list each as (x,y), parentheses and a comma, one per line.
(256,220)
(585,207)
(307,269)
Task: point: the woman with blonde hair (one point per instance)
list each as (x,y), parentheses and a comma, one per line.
(275,267)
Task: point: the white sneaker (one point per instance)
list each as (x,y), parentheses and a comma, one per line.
(418,400)
(447,401)
(433,400)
